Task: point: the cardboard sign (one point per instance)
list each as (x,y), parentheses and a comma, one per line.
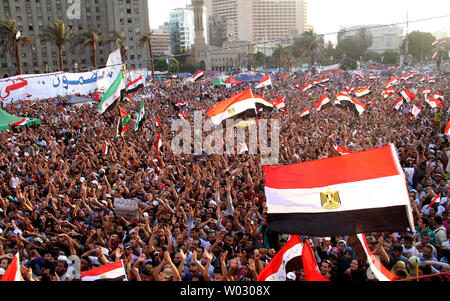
(126,208)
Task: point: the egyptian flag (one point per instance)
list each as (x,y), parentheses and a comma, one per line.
(408,95)
(105,147)
(321,102)
(316,81)
(433,102)
(360,74)
(398,103)
(286,260)
(434,55)
(342,97)
(12,273)
(237,106)
(434,43)
(113,94)
(426,91)
(304,113)
(359,106)
(421,79)
(135,85)
(19,123)
(182,115)
(279,103)
(307,86)
(109,272)
(306,76)
(376,270)
(435,199)
(439,96)
(264,82)
(447,129)
(32,104)
(262,103)
(180,103)
(387,92)
(157,124)
(393,81)
(325,79)
(342,150)
(18,34)
(357,193)
(310,267)
(372,102)
(373,76)
(158,147)
(198,75)
(284,77)
(415,111)
(140,117)
(362,92)
(408,76)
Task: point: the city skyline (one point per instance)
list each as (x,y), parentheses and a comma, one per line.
(351,12)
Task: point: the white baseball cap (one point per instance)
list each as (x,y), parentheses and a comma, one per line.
(291,276)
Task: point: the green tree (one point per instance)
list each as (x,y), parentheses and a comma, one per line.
(59,34)
(260,59)
(419,45)
(118,40)
(9,41)
(161,65)
(390,57)
(89,38)
(146,39)
(307,45)
(365,40)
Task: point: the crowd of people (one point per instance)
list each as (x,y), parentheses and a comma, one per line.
(202,217)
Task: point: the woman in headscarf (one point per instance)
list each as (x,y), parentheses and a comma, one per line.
(412,266)
(398,267)
(346,259)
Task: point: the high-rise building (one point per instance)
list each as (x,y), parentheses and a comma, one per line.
(182,28)
(161,41)
(129,17)
(257,20)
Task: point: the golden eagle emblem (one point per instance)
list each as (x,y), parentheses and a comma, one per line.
(231,111)
(330,200)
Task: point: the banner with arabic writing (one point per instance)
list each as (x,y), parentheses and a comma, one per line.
(50,85)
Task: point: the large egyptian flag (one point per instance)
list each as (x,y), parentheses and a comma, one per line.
(408,95)
(237,106)
(362,91)
(135,84)
(198,75)
(13,273)
(279,103)
(359,106)
(109,272)
(321,102)
(140,117)
(112,95)
(391,82)
(264,82)
(357,193)
(288,255)
(307,86)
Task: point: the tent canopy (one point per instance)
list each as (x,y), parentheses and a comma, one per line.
(246,78)
(218,82)
(232,81)
(6,119)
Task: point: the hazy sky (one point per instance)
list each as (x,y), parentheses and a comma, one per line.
(328,16)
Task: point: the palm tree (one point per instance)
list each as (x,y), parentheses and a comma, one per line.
(117,39)
(147,39)
(89,38)
(59,34)
(308,44)
(11,41)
